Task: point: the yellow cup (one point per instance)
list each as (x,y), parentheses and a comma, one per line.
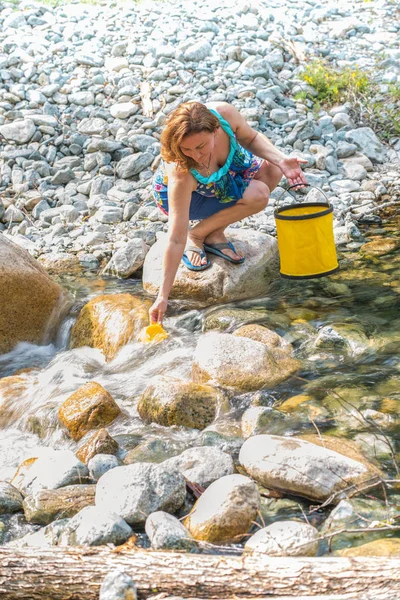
(152,333)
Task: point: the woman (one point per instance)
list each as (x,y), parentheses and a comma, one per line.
(216,170)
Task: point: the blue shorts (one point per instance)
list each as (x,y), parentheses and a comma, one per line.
(201,206)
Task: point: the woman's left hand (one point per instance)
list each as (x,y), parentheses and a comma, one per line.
(291,169)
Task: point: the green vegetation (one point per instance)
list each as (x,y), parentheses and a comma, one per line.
(370,106)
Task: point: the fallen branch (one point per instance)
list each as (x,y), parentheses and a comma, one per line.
(75,573)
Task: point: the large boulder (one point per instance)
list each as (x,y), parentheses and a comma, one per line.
(171,401)
(240,362)
(108,322)
(30,301)
(223,281)
(299,467)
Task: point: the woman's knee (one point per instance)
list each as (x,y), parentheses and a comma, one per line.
(256,195)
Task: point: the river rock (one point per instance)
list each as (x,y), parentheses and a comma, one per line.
(132,165)
(19,132)
(128,259)
(12,392)
(10,499)
(100,443)
(92,526)
(100,464)
(380,247)
(109,322)
(90,407)
(52,470)
(135,491)
(299,467)
(240,363)
(366,140)
(262,334)
(284,538)
(117,585)
(166,532)
(389,547)
(225,511)
(202,465)
(223,281)
(25,289)
(169,401)
(46,506)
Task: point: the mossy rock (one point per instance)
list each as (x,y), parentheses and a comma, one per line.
(389,547)
(169,401)
(90,407)
(108,322)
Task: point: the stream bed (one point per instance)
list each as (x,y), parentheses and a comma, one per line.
(345,331)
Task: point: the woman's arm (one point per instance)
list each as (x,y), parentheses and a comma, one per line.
(261,146)
(180,187)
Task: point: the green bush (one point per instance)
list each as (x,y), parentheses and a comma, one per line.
(370,106)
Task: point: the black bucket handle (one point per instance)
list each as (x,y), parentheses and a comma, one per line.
(298,185)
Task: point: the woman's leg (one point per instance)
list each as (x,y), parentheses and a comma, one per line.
(211,230)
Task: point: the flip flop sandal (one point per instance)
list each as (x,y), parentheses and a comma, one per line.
(190,265)
(216,249)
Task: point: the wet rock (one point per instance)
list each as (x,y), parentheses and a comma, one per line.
(25,288)
(222,282)
(46,506)
(165,532)
(60,263)
(90,407)
(202,465)
(100,443)
(12,392)
(239,362)
(295,466)
(109,322)
(348,520)
(225,511)
(389,547)
(135,491)
(266,336)
(92,526)
(154,450)
(380,247)
(52,470)
(284,538)
(169,401)
(10,499)
(100,464)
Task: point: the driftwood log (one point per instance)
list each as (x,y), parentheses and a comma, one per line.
(77,573)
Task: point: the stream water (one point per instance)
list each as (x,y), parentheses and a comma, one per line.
(350,369)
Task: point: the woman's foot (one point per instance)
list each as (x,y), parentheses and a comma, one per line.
(194,257)
(220,238)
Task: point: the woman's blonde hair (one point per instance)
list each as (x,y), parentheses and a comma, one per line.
(188,118)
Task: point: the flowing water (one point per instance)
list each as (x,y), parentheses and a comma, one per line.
(352,375)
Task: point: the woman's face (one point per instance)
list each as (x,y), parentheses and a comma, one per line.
(198,146)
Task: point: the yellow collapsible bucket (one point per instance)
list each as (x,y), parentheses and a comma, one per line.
(305,239)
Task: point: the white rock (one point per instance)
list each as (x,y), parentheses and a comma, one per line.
(298,467)
(284,538)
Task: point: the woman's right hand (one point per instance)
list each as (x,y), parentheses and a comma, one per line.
(158,309)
